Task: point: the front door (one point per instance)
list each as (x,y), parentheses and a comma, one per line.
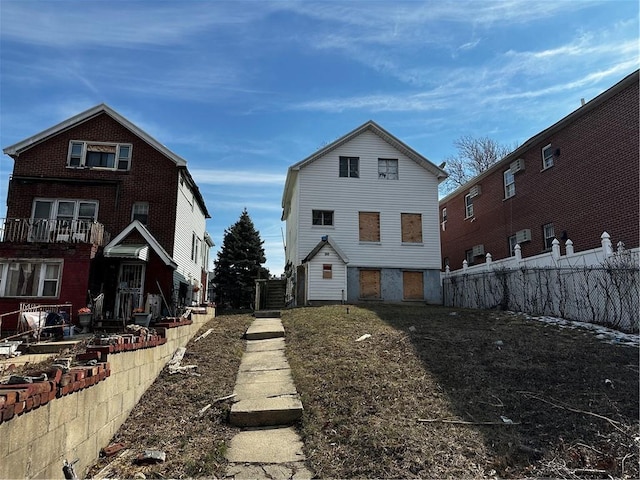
(130,289)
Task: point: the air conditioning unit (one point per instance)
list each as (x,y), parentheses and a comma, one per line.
(523,236)
(475,191)
(517,165)
(478,250)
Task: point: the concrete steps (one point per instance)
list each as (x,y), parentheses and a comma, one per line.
(265,392)
(267,405)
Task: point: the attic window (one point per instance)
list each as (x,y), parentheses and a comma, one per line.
(113,156)
(349,167)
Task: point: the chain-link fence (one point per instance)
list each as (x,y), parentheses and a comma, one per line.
(608,294)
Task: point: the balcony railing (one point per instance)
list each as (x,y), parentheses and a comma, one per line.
(43,230)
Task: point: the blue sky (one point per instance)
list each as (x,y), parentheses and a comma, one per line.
(244,89)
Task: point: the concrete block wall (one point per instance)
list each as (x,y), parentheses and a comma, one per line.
(35,444)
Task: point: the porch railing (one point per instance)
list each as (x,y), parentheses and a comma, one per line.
(44,230)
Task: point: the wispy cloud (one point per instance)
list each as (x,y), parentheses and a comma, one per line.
(236,177)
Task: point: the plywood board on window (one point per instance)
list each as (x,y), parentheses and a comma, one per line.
(370,284)
(412,285)
(369,226)
(411,227)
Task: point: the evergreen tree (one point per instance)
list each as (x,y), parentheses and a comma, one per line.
(239,264)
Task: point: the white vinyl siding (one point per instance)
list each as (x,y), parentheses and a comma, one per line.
(190,227)
(415,191)
(321,288)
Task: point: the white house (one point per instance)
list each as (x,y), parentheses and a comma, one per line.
(362,222)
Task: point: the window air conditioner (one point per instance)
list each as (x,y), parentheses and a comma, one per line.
(478,250)
(523,235)
(475,191)
(517,165)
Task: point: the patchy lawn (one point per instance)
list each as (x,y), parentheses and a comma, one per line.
(168,416)
(437,392)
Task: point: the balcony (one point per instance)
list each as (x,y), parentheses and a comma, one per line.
(42,230)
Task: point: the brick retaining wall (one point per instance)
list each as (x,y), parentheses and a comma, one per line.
(82,420)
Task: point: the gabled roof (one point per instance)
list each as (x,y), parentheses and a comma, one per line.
(326,241)
(369,126)
(18,148)
(150,239)
(15,150)
(626,82)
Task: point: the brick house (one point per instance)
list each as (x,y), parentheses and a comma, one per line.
(573,180)
(362,222)
(96,205)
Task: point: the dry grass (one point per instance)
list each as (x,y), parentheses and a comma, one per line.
(167,418)
(363,399)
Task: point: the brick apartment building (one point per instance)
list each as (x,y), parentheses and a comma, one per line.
(96,205)
(574,180)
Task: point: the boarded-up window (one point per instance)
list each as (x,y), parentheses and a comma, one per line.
(411,228)
(370,284)
(412,286)
(327,271)
(369,226)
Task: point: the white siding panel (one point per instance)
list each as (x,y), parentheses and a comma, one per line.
(190,218)
(319,288)
(415,191)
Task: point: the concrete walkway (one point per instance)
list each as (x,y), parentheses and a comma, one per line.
(267,404)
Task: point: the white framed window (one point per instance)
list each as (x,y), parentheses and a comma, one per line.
(547,157)
(195,247)
(468,206)
(140,212)
(468,255)
(512,240)
(444,214)
(388,168)
(349,167)
(327,271)
(62,219)
(111,156)
(30,278)
(509,184)
(322,217)
(549,234)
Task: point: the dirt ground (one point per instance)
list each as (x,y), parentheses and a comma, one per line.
(432,393)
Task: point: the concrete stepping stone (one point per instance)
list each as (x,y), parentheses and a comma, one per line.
(266,411)
(265,328)
(270,445)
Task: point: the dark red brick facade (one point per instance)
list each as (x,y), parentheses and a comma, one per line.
(40,171)
(592,187)
(153,178)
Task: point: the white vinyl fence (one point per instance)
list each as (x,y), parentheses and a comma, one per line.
(597,286)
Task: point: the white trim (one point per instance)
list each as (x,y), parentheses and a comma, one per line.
(153,243)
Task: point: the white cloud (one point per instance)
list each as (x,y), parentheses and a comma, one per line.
(236,177)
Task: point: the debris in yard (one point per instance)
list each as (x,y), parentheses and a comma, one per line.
(506,420)
(151,456)
(140,475)
(174,364)
(112,449)
(499,344)
(204,409)
(608,383)
(363,337)
(204,335)
(222,399)
(412,328)
(465,422)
